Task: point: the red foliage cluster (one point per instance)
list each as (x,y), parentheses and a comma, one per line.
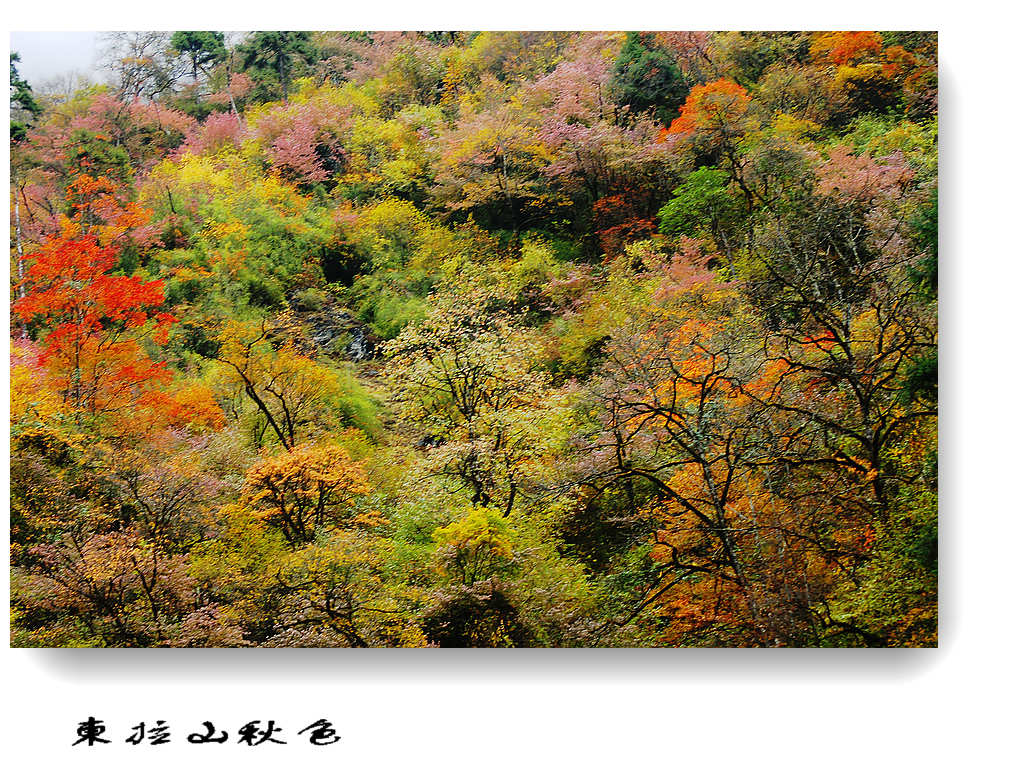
(709,106)
(68,282)
(619,221)
(842,48)
(93,349)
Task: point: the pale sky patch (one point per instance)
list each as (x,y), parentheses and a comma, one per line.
(47,55)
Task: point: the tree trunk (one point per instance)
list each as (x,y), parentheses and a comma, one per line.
(20,249)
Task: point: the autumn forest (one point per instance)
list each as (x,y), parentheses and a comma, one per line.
(460,339)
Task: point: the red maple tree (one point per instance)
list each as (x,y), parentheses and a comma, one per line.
(97,323)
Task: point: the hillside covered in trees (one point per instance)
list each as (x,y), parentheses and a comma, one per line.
(477,339)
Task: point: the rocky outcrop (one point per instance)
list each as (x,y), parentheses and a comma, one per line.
(334,331)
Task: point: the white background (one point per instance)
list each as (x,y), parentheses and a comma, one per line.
(951,708)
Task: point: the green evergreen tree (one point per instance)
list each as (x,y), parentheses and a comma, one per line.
(275,57)
(23,104)
(646,78)
(201,49)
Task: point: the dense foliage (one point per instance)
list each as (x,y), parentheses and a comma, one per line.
(478,339)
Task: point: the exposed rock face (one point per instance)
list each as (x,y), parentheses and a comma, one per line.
(361,346)
(336,333)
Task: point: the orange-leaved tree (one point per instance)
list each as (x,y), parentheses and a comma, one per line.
(96,324)
(306,489)
(716,109)
(846,48)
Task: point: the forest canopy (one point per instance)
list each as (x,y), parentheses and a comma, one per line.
(487,339)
